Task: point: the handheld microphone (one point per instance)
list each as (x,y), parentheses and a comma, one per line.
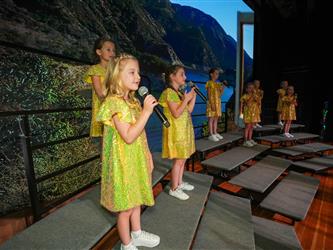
(199,93)
(143,92)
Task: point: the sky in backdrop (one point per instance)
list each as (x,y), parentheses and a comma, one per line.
(225,12)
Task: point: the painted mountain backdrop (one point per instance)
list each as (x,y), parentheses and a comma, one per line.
(156,31)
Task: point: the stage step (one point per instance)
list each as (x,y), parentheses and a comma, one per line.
(262,174)
(280,138)
(234,157)
(78,225)
(226,224)
(293,196)
(204,145)
(317,164)
(271,235)
(176,221)
(298,150)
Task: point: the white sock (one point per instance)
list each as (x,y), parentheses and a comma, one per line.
(136,233)
(128,245)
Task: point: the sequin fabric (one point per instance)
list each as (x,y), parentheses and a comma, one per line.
(126,179)
(178,139)
(288,108)
(260,94)
(281,93)
(214,99)
(250,108)
(96,128)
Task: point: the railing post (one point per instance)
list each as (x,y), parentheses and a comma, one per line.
(29,167)
(226,118)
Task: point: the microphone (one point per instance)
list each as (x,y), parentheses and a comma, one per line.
(143,92)
(225,83)
(199,93)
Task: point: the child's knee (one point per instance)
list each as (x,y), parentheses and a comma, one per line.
(126,213)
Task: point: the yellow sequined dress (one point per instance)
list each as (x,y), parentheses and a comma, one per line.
(281,93)
(96,128)
(288,108)
(178,139)
(260,95)
(214,99)
(126,180)
(250,108)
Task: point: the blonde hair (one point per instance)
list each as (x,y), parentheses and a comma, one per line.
(112,80)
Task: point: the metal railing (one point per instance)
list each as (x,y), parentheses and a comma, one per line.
(28,147)
(225,122)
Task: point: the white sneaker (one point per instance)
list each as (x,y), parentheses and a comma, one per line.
(286,135)
(280,123)
(253,142)
(220,137)
(213,138)
(248,144)
(145,239)
(258,125)
(179,194)
(255,126)
(130,246)
(290,135)
(186,186)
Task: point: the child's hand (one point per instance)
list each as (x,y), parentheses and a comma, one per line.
(189,95)
(149,104)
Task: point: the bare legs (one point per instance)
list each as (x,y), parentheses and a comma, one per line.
(248,131)
(128,220)
(212,124)
(177,173)
(287,126)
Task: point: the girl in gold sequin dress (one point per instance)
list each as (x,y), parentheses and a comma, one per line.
(260,94)
(178,139)
(289,103)
(214,92)
(281,92)
(126,160)
(104,49)
(249,110)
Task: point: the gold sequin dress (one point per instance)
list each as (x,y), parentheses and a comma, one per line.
(126,180)
(288,108)
(281,93)
(214,99)
(250,108)
(96,128)
(260,95)
(178,139)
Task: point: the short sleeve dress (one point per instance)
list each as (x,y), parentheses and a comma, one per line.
(214,99)
(96,128)
(178,139)
(126,180)
(281,93)
(288,108)
(250,108)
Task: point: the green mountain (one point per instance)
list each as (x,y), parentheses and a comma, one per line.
(156,31)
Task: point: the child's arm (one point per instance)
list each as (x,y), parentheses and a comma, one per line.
(97,85)
(177,109)
(192,103)
(130,132)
